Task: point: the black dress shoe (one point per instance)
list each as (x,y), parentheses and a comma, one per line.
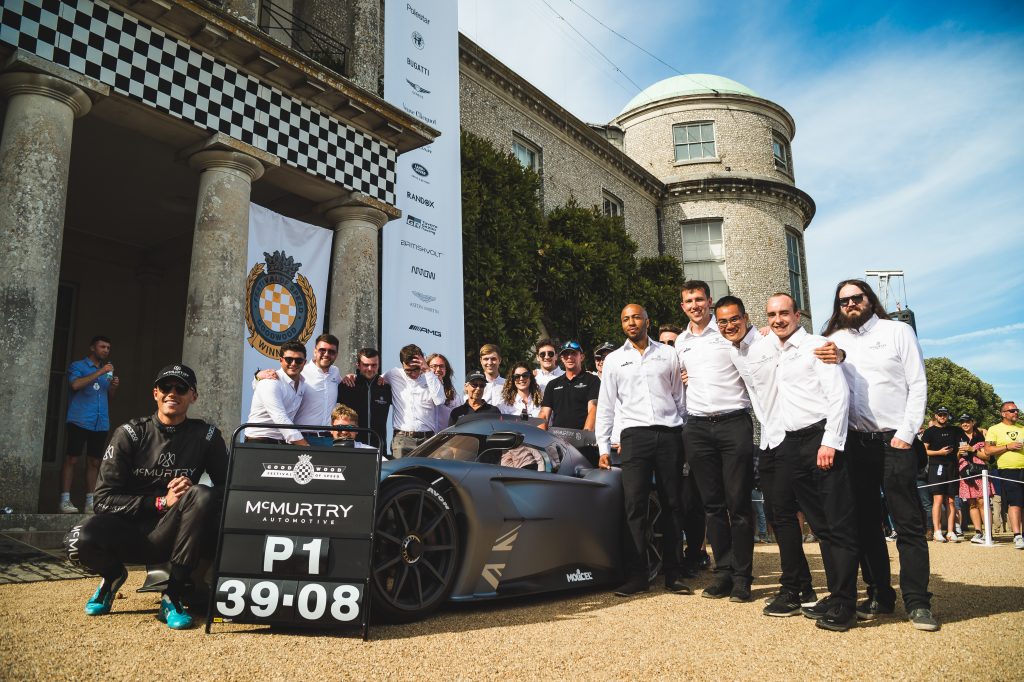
(674,584)
(740,593)
(719,589)
(839,618)
(632,586)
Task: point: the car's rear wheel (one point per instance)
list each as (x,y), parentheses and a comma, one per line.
(416,547)
(655,536)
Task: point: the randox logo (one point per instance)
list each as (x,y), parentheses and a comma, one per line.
(420,170)
(420,200)
(432,332)
(282,305)
(422,273)
(579,576)
(304,471)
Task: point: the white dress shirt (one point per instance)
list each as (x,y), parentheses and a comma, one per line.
(276,402)
(492,391)
(414,401)
(647,387)
(885,372)
(444,412)
(321,395)
(544,377)
(810,390)
(713,384)
(764,400)
(517,406)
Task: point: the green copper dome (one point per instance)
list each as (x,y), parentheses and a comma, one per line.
(689,84)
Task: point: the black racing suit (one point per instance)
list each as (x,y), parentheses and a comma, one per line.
(142,458)
(371,401)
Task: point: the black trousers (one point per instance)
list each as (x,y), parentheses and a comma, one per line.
(796,574)
(647,451)
(876,465)
(826,498)
(693,522)
(721,456)
(186,533)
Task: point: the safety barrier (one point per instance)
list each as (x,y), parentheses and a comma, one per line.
(985,479)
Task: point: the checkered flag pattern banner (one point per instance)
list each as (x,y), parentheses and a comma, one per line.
(147,65)
(277,308)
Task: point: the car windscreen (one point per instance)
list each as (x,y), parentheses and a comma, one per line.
(464,447)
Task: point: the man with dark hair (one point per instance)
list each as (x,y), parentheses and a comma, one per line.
(667,334)
(415,392)
(885,371)
(600,353)
(642,385)
(941,444)
(570,400)
(277,402)
(149,506)
(322,380)
(1005,440)
(368,395)
(91,382)
(547,360)
(718,443)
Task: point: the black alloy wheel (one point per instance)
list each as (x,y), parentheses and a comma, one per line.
(415,553)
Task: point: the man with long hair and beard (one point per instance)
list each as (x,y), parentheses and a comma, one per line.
(885,371)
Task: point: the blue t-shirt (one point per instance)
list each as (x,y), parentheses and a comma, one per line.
(87,407)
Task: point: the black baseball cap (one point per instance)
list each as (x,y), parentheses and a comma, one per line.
(942,410)
(475,376)
(965,418)
(604,349)
(569,347)
(182,373)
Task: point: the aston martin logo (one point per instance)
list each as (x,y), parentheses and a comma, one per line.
(282,305)
(426,298)
(417,88)
(304,471)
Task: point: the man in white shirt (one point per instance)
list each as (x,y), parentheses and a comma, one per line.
(885,371)
(416,391)
(718,443)
(795,585)
(321,395)
(490,363)
(277,402)
(641,383)
(811,402)
(547,360)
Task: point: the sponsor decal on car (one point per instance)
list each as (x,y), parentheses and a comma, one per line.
(579,576)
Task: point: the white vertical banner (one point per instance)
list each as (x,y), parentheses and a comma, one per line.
(285,291)
(421,301)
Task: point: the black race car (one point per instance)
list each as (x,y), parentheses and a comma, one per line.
(495,507)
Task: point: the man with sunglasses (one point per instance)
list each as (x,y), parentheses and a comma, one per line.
(1005,440)
(888,390)
(149,508)
(277,402)
(548,362)
(600,353)
(322,380)
(572,397)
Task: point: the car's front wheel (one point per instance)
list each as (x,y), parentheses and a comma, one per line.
(415,552)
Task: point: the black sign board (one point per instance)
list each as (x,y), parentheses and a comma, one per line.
(296,536)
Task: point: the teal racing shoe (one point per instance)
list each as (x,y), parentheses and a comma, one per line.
(105,594)
(174,614)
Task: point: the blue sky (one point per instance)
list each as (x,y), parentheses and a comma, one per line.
(910,133)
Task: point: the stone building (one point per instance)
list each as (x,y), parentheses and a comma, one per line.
(135,135)
(699,167)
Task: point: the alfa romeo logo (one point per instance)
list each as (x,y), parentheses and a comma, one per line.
(304,471)
(282,305)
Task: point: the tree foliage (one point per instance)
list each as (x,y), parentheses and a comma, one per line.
(954,387)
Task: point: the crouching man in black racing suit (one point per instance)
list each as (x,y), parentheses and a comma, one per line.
(148,506)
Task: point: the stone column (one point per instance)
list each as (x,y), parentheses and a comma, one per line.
(215,308)
(354,298)
(35,156)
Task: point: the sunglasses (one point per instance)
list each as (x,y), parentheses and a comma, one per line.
(521,375)
(168,387)
(670,342)
(571,346)
(477,385)
(1013,411)
(546,354)
(845,301)
(293,361)
(327,351)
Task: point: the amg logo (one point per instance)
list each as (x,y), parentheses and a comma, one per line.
(421,224)
(420,200)
(422,273)
(432,332)
(419,67)
(422,249)
(579,576)
(412,11)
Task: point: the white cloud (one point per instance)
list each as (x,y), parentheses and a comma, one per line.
(979,334)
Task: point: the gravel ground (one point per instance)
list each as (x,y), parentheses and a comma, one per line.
(979,597)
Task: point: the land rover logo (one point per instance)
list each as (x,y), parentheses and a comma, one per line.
(420,170)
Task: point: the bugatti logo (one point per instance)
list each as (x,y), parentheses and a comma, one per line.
(282,305)
(166,459)
(426,298)
(417,88)
(304,471)
(420,170)
(417,40)
(579,576)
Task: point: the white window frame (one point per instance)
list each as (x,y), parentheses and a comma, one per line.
(518,141)
(700,263)
(695,140)
(612,205)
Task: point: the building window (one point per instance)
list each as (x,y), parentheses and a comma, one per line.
(780,150)
(694,140)
(612,204)
(794,256)
(527,153)
(704,255)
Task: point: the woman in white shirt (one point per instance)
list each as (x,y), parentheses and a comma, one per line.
(441,368)
(521,393)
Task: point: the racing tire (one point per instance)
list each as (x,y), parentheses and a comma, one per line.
(415,551)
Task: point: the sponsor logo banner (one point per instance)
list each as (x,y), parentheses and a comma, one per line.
(304,513)
(287,468)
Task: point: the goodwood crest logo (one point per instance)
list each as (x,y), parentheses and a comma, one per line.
(282,305)
(304,471)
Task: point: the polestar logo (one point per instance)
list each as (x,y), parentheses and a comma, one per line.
(304,471)
(413,11)
(166,459)
(579,576)
(426,298)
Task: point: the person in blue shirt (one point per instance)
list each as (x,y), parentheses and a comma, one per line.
(91,382)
